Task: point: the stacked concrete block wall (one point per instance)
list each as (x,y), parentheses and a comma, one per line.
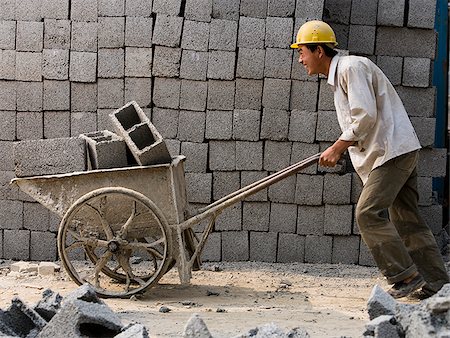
(220,84)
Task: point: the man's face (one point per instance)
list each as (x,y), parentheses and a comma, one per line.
(309,60)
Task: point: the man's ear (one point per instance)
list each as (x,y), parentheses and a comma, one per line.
(320,51)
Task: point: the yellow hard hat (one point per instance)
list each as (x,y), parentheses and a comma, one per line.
(315,31)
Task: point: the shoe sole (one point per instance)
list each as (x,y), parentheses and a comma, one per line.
(395,294)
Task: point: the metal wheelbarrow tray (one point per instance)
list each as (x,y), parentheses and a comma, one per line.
(122,229)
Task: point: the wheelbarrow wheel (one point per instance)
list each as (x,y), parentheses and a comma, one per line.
(125,237)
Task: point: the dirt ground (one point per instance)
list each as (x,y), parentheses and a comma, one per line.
(232,298)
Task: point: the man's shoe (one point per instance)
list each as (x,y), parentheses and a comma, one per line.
(402,289)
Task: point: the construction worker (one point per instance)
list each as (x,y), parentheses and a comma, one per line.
(384,149)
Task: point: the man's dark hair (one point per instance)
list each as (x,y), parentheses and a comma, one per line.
(328,50)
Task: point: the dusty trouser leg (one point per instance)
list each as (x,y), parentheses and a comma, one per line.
(378,232)
(417,236)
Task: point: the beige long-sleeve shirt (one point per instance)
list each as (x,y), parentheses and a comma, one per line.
(370,113)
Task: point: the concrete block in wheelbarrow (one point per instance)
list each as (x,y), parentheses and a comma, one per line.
(50,156)
(144,141)
(105,150)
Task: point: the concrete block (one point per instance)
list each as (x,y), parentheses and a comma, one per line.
(249,177)
(84,36)
(35,217)
(105,150)
(302,126)
(193,95)
(310,10)
(365,257)
(230,219)
(251,32)
(318,249)
(263,246)
(254,8)
(9,192)
(111,8)
(56,34)
(221,95)
(28,11)
(198,187)
(418,101)
(195,35)
(276,155)
(56,95)
(111,62)
(303,94)
(82,122)
(300,151)
(212,250)
(28,66)
(194,65)
(225,183)
(235,246)
(55,64)
(391,14)
(255,216)
(309,190)
(8,11)
(29,125)
(345,250)
(432,215)
(29,96)
(83,67)
(416,42)
(277,63)
(246,124)
(16,244)
(338,11)
(169,7)
(166,121)
(283,8)
(43,246)
(138,62)
(11,213)
(222,155)
(7,153)
(21,319)
(421,14)
(139,90)
(327,126)
(24,267)
(338,219)
(274,124)
(310,220)
(364,12)
(173,146)
(138,31)
(425,189)
(283,218)
(50,303)
(191,126)
(55,9)
(416,72)
(249,155)
(143,140)
(279,31)
(380,303)
(291,248)
(432,162)
(228,10)
(198,10)
(166,92)
(326,96)
(248,94)
(84,10)
(8,91)
(31,156)
(356,188)
(219,125)
(29,36)
(48,269)
(276,93)
(7,64)
(111,32)
(361,39)
(167,30)
(250,63)
(337,189)
(83,96)
(196,156)
(425,130)
(141,8)
(221,65)
(166,62)
(8,127)
(283,191)
(56,124)
(392,67)
(7,34)
(223,35)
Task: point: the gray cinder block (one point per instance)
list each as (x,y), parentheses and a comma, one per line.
(276,155)
(138,31)
(166,121)
(249,155)
(198,187)
(56,95)
(432,162)
(56,34)
(194,65)
(283,218)
(310,10)
(111,63)
(139,89)
(361,39)
(356,188)
(191,126)
(276,93)
(250,63)
(222,155)
(309,190)
(193,95)
(318,249)
(56,124)
(221,65)
(283,191)
(105,150)
(338,11)
(263,246)
(278,32)
(310,220)
(133,330)
(365,257)
(196,156)
(31,156)
(255,216)
(55,64)
(223,35)
(228,10)
(416,72)
(300,151)
(219,125)
(275,124)
(337,189)
(55,9)
(43,246)
(345,250)
(221,95)
(418,101)
(8,10)
(167,31)
(280,8)
(140,135)
(254,8)
(82,122)
(84,36)
(28,66)
(16,244)
(111,32)
(48,305)
(8,90)
(170,7)
(390,13)
(195,35)
(326,96)
(83,96)
(141,8)
(8,127)
(380,303)
(327,126)
(166,62)
(302,126)
(421,14)
(212,250)
(166,92)
(425,129)
(225,183)
(251,32)
(35,216)
(24,321)
(7,34)
(364,12)
(246,124)
(11,213)
(29,96)
(7,153)
(235,246)
(8,191)
(248,94)
(8,64)
(277,63)
(198,10)
(28,10)
(84,10)
(303,94)
(29,125)
(196,327)
(425,188)
(83,67)
(392,67)
(111,7)
(230,219)
(291,248)
(338,219)
(138,62)
(249,177)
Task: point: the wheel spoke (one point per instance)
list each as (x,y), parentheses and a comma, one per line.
(105,225)
(124,230)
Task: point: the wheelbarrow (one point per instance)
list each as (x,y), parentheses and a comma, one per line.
(122,229)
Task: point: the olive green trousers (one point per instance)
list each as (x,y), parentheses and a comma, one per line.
(401,243)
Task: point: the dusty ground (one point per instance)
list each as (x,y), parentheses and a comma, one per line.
(326,300)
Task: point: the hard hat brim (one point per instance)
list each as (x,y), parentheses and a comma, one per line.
(297,44)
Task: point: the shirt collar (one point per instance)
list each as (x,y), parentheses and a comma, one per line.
(332,70)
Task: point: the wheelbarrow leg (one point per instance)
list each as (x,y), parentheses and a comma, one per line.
(184,268)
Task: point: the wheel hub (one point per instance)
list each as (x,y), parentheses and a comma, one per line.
(113,246)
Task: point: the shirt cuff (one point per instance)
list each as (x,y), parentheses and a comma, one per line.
(348,135)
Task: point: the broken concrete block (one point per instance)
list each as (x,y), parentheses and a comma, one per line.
(49,305)
(382,326)
(105,150)
(196,328)
(85,293)
(133,330)
(47,268)
(24,267)
(144,141)
(21,319)
(380,303)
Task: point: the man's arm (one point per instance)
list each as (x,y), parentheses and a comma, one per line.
(332,154)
